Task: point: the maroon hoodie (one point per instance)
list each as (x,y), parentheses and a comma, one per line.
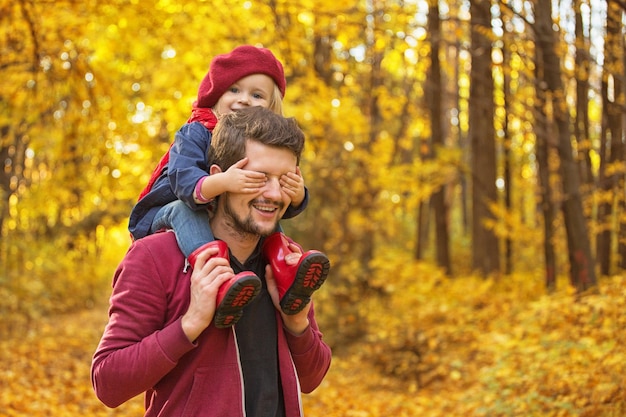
(144,349)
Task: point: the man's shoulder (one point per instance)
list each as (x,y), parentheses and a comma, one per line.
(162,237)
(161,244)
(153,259)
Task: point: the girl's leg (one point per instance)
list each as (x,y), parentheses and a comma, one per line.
(296,283)
(190,226)
(193,235)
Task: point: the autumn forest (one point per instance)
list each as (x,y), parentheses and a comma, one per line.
(466,165)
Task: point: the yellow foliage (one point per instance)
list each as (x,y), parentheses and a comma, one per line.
(438,347)
(46,369)
(483,348)
(97,107)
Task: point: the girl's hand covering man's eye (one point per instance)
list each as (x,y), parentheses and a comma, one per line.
(244,181)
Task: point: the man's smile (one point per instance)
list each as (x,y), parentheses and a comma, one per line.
(266,207)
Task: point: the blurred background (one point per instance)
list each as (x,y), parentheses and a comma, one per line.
(465,162)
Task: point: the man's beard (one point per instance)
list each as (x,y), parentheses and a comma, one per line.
(247,225)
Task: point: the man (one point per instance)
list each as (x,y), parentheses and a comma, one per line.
(161,337)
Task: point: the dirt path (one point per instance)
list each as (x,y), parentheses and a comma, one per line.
(45,372)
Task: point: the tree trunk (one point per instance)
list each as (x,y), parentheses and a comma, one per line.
(615,109)
(548,210)
(581,125)
(622,205)
(582,273)
(421,230)
(485,251)
(463,146)
(506,156)
(434,91)
(604,210)
(611,181)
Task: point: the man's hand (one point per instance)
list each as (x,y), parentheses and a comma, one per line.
(296,323)
(209,273)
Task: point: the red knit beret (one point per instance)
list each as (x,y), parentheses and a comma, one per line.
(225,70)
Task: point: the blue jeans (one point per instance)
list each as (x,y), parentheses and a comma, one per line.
(191,227)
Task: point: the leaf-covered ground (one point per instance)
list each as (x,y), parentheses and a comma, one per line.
(489,350)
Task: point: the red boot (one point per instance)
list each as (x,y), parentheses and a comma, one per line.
(234,294)
(296,283)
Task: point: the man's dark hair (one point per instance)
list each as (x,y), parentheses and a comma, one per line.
(228,144)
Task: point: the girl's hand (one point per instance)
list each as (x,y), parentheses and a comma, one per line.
(239,180)
(292,184)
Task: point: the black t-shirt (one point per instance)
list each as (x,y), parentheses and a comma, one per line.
(258,348)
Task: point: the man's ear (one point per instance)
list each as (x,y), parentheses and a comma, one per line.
(215,169)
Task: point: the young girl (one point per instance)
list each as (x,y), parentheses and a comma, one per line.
(180,191)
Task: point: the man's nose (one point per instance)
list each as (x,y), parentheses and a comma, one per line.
(273,189)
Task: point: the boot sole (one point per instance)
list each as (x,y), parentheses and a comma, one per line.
(238,296)
(312,273)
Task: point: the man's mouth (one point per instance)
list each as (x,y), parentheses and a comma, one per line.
(265,206)
(264,209)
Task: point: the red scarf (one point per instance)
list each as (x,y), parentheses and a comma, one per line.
(203,115)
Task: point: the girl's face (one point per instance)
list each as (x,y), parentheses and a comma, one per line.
(253,90)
